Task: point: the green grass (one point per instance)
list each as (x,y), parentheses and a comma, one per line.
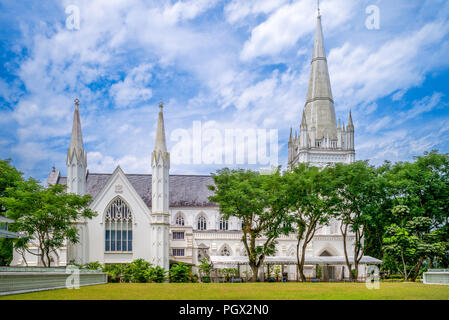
(243,291)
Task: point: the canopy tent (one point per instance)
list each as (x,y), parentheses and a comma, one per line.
(331,260)
(4,233)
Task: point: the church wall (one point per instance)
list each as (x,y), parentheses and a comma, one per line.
(118,186)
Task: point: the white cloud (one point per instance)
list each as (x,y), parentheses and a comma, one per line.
(289,23)
(134,88)
(362,73)
(239,10)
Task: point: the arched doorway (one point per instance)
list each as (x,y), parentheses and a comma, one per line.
(328,272)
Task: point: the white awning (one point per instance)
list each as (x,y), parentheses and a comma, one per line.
(310,260)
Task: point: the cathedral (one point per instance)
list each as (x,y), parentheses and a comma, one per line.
(166,218)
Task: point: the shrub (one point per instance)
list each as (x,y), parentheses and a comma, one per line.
(114,271)
(156,274)
(93,266)
(179,272)
(137,271)
(205,279)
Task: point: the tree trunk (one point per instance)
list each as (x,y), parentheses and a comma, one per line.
(416,271)
(297,258)
(301,266)
(345,249)
(255,271)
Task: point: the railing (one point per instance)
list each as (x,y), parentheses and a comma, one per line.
(41,269)
(438,270)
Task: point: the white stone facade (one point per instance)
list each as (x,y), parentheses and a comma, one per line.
(160,218)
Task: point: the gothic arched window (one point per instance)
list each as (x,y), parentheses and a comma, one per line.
(223,224)
(118,227)
(179,220)
(202,223)
(225,251)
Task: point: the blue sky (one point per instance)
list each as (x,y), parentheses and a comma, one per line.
(228,64)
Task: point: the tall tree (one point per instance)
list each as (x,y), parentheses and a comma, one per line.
(357,191)
(47,215)
(259,201)
(310,203)
(9,177)
(407,245)
(423,187)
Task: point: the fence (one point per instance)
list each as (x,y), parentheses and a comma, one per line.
(15,280)
(436,276)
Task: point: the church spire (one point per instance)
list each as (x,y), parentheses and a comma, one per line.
(160,144)
(76,142)
(319,107)
(160,166)
(76,157)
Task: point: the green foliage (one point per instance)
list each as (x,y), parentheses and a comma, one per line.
(205,268)
(310,202)
(6,247)
(319,272)
(9,177)
(179,272)
(114,271)
(156,274)
(95,265)
(260,202)
(358,196)
(137,271)
(228,273)
(47,214)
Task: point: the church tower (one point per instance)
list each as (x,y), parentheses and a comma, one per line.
(321,142)
(160,164)
(76,183)
(76,158)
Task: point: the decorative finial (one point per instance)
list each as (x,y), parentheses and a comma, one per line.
(161,105)
(319,14)
(53,169)
(77,103)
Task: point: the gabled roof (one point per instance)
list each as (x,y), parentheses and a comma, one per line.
(185,190)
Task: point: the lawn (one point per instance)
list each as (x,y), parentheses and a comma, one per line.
(244,291)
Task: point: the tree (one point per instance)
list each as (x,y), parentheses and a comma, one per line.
(47,215)
(409,244)
(205,268)
(310,204)
(179,273)
(9,177)
(422,187)
(259,201)
(359,196)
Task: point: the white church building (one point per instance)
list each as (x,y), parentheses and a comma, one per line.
(165,218)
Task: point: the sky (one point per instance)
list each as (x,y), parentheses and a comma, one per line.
(228,65)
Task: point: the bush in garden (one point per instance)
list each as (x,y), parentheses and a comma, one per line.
(137,271)
(95,265)
(114,271)
(156,274)
(179,272)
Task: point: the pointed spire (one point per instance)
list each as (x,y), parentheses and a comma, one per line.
(160,144)
(319,106)
(76,148)
(350,124)
(303,121)
(291,134)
